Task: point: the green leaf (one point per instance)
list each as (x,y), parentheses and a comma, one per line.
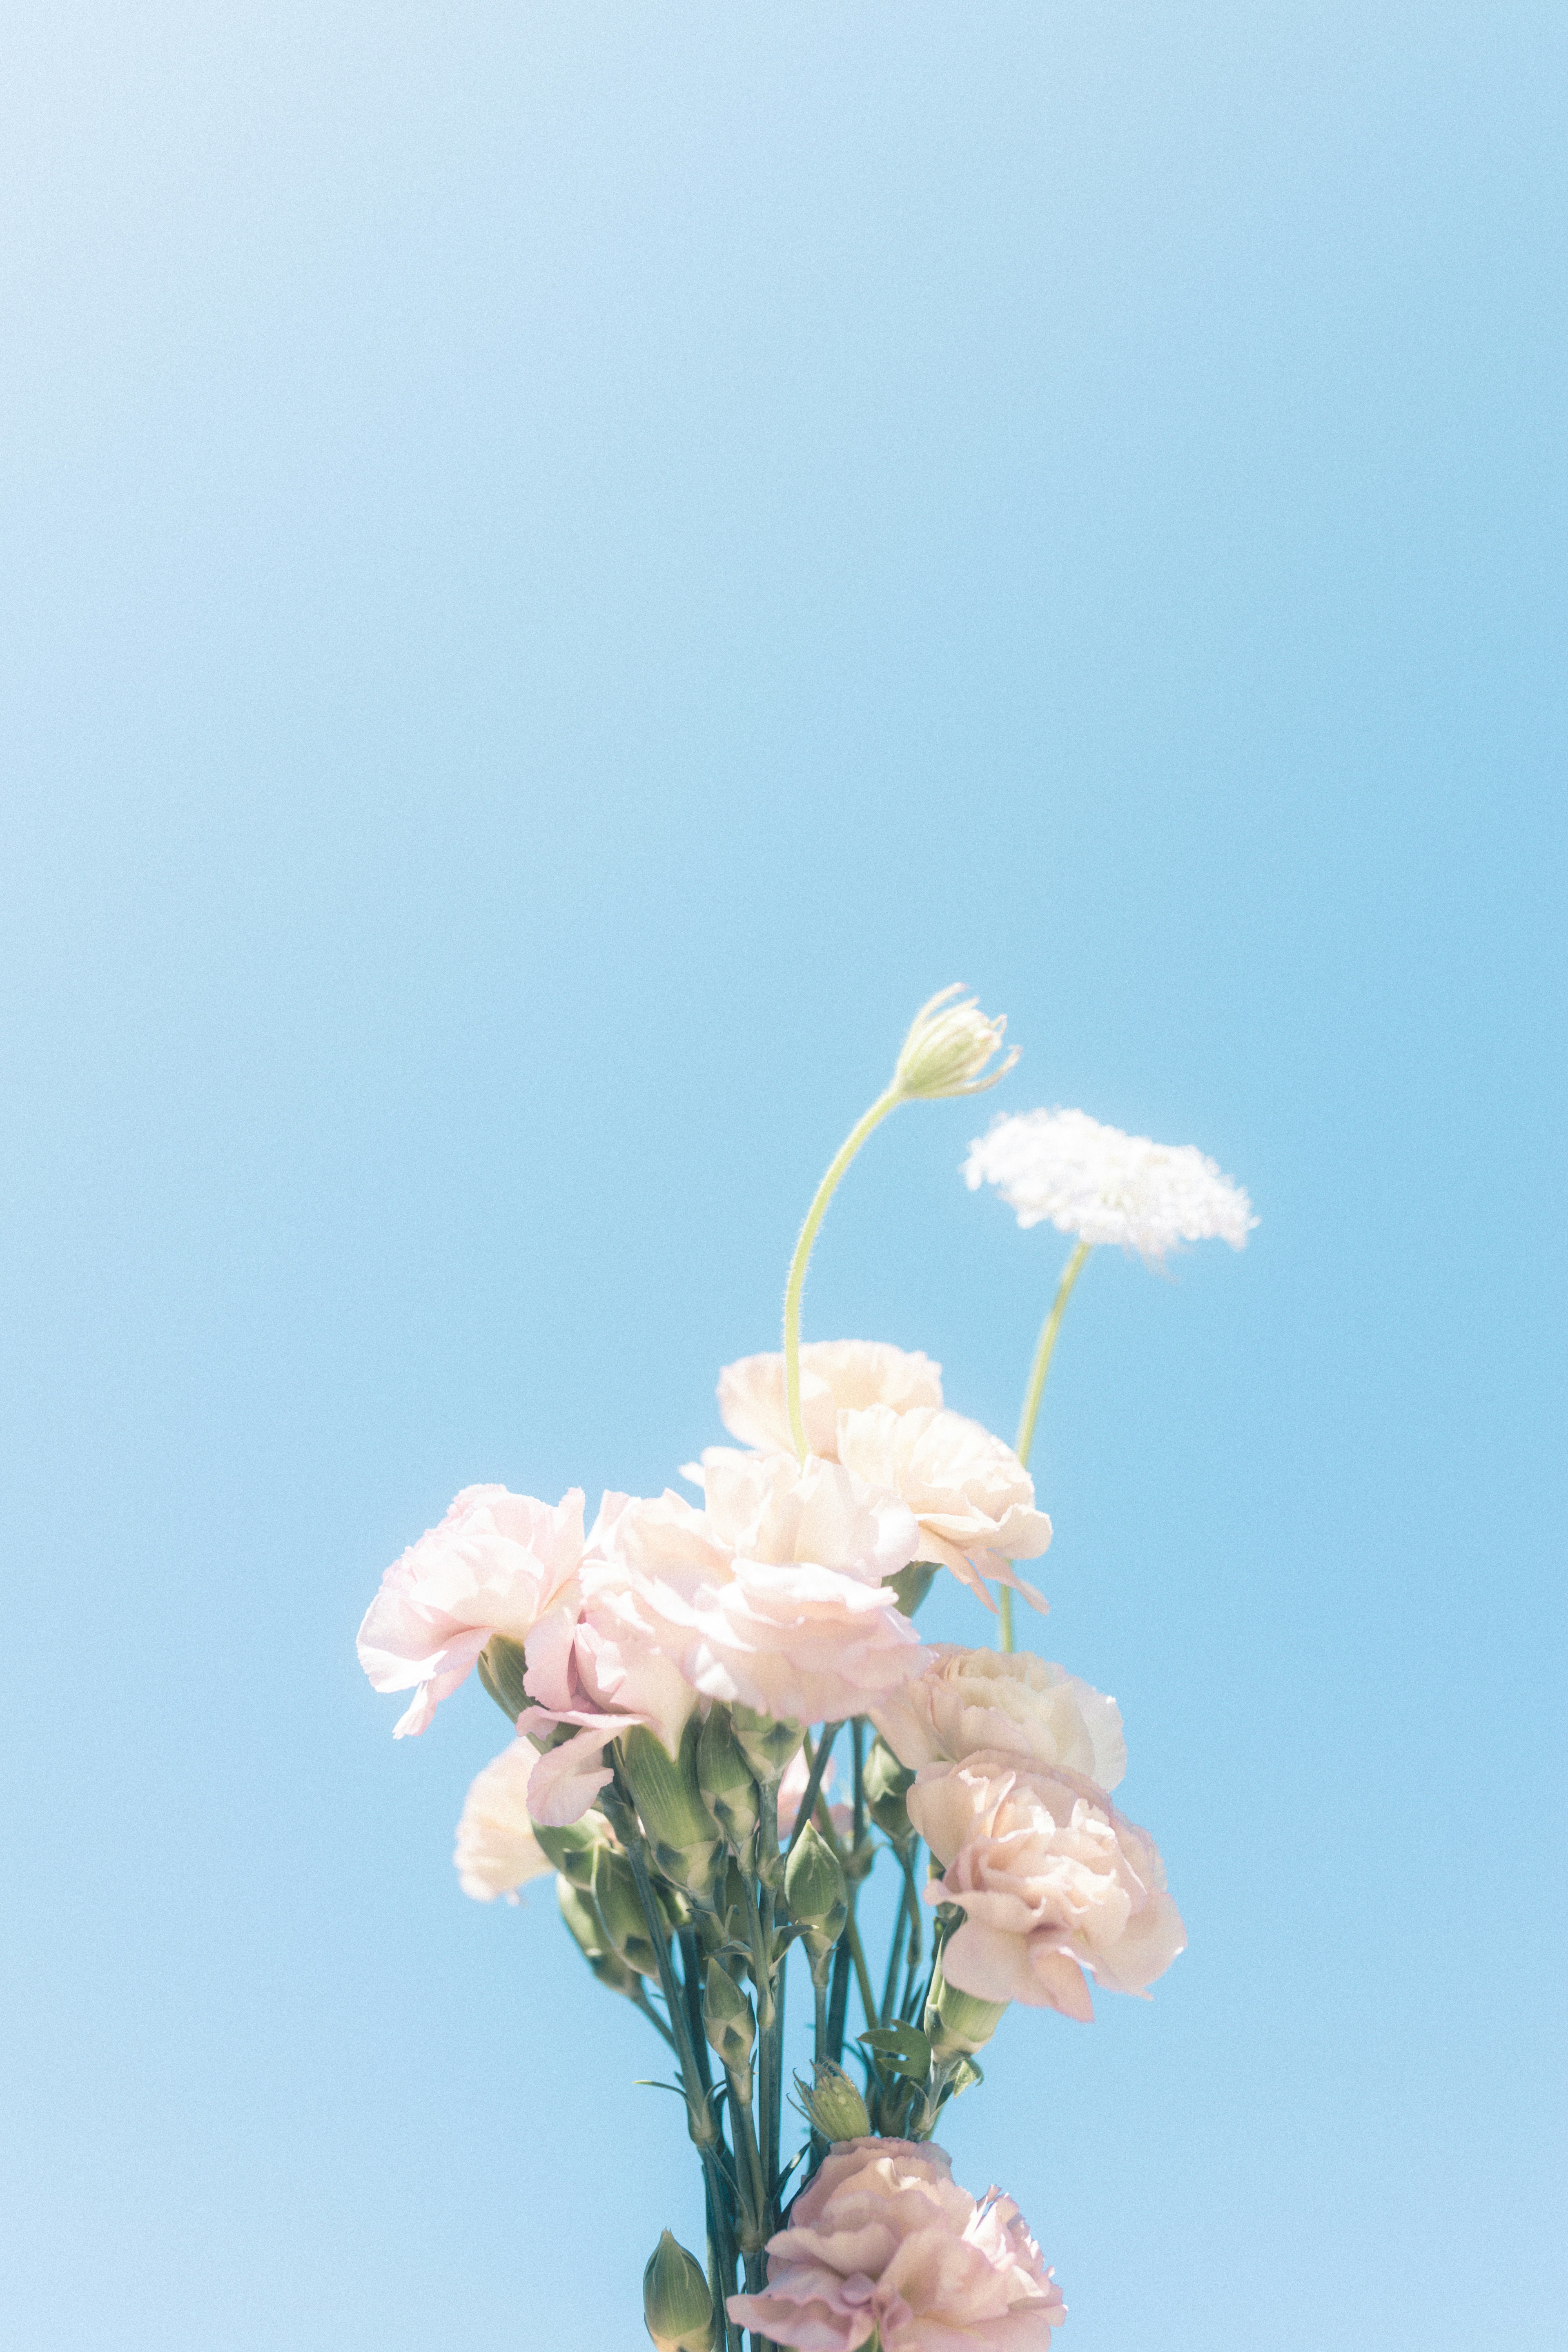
(900,2050)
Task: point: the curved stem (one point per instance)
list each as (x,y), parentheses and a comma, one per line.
(803,1249)
(1045,1349)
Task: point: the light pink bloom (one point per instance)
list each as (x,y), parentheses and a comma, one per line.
(884,2242)
(1012,1702)
(836,1375)
(973,1497)
(773,1596)
(1051,1881)
(496,1851)
(496,1564)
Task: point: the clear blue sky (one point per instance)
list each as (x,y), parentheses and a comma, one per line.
(563,568)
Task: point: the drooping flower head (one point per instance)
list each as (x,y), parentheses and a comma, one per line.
(884,2244)
(496,1851)
(1051,1881)
(497,1563)
(1064,1168)
(948,1049)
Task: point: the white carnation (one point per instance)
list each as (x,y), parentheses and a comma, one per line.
(496,1851)
(1063,1167)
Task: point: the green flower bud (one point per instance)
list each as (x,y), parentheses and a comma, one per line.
(682,1831)
(572,1850)
(948,1049)
(766,1744)
(727,1780)
(886,1783)
(956,2023)
(727,2022)
(832,2104)
(614,1898)
(588,1932)
(814,1890)
(503,1664)
(676,2305)
(911,1584)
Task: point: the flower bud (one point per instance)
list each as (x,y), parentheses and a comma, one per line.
(766,1744)
(572,1850)
(589,1936)
(948,1047)
(503,1665)
(727,2022)
(956,2023)
(832,2104)
(726,1780)
(813,1889)
(676,2305)
(886,1781)
(614,1891)
(682,1831)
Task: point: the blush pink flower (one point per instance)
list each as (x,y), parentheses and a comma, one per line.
(973,1497)
(884,2244)
(1009,1701)
(497,1563)
(1051,1881)
(835,1376)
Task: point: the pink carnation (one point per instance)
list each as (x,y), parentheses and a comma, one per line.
(496,1564)
(884,2244)
(835,1376)
(1051,1881)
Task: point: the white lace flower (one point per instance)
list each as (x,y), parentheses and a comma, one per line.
(1104,1186)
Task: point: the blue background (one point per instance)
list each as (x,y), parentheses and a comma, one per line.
(565,567)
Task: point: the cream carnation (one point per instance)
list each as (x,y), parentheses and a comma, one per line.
(884,2244)
(496,1851)
(1104,1186)
(973,1497)
(1051,1881)
(497,1563)
(1012,1703)
(835,1376)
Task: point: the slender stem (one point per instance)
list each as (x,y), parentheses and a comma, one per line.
(839,2001)
(803,1249)
(851,1932)
(817,1766)
(640,2001)
(819,1997)
(1045,1349)
(857,1735)
(890,1982)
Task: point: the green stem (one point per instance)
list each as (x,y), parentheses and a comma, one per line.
(851,1932)
(1045,1349)
(817,1765)
(803,1249)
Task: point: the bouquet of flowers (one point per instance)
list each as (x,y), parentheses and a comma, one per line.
(685,1679)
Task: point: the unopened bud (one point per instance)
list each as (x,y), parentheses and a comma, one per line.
(886,1783)
(572,1850)
(614,1896)
(727,2022)
(956,2023)
(726,1780)
(833,2105)
(948,1047)
(588,1933)
(682,1831)
(503,1665)
(676,2305)
(814,1890)
(767,1745)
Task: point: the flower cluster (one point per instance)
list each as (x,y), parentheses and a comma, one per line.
(677,1676)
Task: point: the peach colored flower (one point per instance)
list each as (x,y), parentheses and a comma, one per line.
(884,2244)
(836,1375)
(1013,1703)
(973,1497)
(496,1851)
(1051,1881)
(771,1597)
(496,1564)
